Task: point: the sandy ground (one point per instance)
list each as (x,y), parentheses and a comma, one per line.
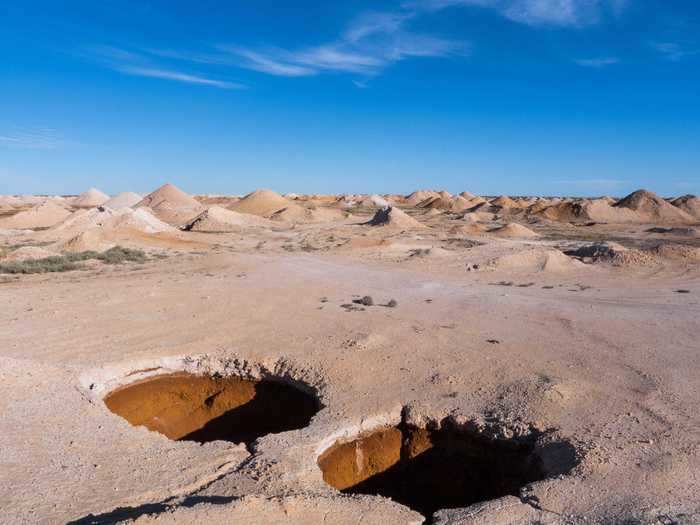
(603,358)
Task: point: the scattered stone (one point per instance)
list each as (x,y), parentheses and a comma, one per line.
(366,301)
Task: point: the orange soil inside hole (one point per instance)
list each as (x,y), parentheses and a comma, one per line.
(430,470)
(203,408)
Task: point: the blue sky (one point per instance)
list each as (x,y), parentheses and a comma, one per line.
(576,97)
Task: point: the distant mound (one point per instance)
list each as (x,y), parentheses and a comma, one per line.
(459,203)
(168,195)
(261,202)
(513,230)
(468,229)
(467,195)
(419,196)
(689,204)
(217,219)
(598,210)
(294,213)
(536,260)
(42,215)
(435,203)
(125,199)
(106,219)
(171,204)
(10,200)
(505,202)
(373,201)
(90,198)
(652,208)
(395,218)
(100,228)
(477,216)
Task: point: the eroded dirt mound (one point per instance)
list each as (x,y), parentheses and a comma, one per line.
(261,202)
(515,231)
(125,199)
(468,229)
(42,215)
(427,470)
(653,208)
(689,204)
(217,219)
(90,198)
(597,210)
(505,202)
(536,260)
(202,408)
(171,204)
(295,213)
(394,217)
(419,196)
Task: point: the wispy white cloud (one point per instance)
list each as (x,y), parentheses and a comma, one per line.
(371,43)
(32,138)
(674,51)
(142,64)
(597,62)
(266,62)
(372,23)
(176,75)
(534,12)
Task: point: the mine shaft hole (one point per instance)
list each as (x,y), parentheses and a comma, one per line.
(188,407)
(431,470)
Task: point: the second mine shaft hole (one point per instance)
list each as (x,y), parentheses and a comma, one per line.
(430,470)
(198,408)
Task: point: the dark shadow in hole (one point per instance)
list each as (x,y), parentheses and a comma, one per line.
(446,468)
(204,408)
(276,407)
(124,513)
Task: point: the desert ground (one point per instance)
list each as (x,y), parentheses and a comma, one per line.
(349,359)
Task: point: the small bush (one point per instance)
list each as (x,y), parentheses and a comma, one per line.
(47,265)
(69,261)
(118,255)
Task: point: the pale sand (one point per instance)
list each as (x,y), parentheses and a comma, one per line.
(501,334)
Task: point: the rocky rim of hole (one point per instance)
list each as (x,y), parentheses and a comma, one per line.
(429,465)
(201,398)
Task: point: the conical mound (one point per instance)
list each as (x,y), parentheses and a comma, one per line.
(395,218)
(505,202)
(125,199)
(689,204)
(419,196)
(90,198)
(515,231)
(169,196)
(171,204)
(261,202)
(653,208)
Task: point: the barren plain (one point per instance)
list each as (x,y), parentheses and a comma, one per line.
(422,358)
